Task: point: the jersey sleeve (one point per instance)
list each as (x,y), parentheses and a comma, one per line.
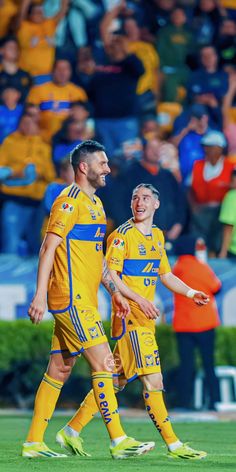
(164,263)
(116,250)
(63,216)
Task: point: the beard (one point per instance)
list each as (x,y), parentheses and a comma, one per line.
(95,179)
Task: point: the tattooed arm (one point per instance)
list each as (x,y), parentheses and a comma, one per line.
(120,304)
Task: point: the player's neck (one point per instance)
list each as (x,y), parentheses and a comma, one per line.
(145,227)
(86,188)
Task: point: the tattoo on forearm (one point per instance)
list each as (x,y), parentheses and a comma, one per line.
(107,279)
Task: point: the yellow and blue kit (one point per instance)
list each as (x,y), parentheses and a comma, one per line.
(77,271)
(139,259)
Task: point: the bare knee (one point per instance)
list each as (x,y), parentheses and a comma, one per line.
(59,370)
(152,381)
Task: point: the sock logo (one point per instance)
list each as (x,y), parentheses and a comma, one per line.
(105,411)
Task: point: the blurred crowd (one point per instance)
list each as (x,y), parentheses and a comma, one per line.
(152,80)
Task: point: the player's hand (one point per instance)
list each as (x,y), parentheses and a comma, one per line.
(120,305)
(37,309)
(148,308)
(200,298)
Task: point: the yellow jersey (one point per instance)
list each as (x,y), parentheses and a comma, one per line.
(37,49)
(77,267)
(54,102)
(150,60)
(139,259)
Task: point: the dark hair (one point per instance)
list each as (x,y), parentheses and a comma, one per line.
(150,187)
(81,152)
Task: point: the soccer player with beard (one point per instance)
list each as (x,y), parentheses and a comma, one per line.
(71,267)
(136,257)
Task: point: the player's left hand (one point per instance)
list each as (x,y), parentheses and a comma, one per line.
(200,298)
(120,305)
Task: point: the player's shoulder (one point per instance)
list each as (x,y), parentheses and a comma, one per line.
(157,232)
(69,195)
(125,228)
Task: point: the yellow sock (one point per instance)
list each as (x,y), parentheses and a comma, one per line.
(85,413)
(107,403)
(44,406)
(156,409)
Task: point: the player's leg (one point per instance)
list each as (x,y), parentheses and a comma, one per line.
(58,371)
(100,360)
(155,406)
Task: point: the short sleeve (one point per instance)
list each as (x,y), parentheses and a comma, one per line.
(228,209)
(116,251)
(164,267)
(63,216)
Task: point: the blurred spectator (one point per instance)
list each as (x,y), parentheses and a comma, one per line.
(36,39)
(228,218)
(79,111)
(210,182)
(229,116)
(169,158)
(66,177)
(189,128)
(194,327)
(33,111)
(226,45)
(229,8)
(112,89)
(172,217)
(147,88)
(71,134)
(10,112)
(74,24)
(206,22)
(10,73)
(157,15)
(8,9)
(25,170)
(174,43)
(208,84)
(54,98)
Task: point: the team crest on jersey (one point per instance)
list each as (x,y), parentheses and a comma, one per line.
(118,243)
(149,360)
(93,332)
(142,250)
(98,247)
(67,207)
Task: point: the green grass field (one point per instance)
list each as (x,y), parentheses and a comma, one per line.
(218,439)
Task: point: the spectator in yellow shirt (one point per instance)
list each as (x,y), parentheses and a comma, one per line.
(8,10)
(25,171)
(54,98)
(36,39)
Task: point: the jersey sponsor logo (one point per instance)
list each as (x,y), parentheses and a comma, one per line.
(67,207)
(93,332)
(99,233)
(149,360)
(118,243)
(153,248)
(114,260)
(98,247)
(60,224)
(142,250)
(150,268)
(148,282)
(92,212)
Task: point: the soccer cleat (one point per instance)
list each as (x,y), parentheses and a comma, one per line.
(129,447)
(186,452)
(73,444)
(39,450)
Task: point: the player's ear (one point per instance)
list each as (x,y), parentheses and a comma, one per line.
(83,167)
(157,204)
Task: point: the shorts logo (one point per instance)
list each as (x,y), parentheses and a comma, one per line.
(93,332)
(118,243)
(88,315)
(67,207)
(142,250)
(149,360)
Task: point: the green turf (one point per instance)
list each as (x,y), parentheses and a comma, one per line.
(218,439)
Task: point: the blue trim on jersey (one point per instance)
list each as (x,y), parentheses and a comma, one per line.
(136,349)
(124,228)
(135,376)
(47,105)
(116,338)
(88,232)
(69,269)
(141,267)
(72,191)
